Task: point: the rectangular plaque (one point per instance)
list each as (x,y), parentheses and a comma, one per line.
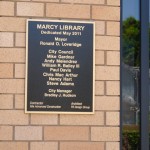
(59,67)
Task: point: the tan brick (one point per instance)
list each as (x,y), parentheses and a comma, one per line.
(30,9)
(105,134)
(113,58)
(99,57)
(46,0)
(19,101)
(100,27)
(113,2)
(66,133)
(6,39)
(6,8)
(28,133)
(12,24)
(113,28)
(6,132)
(81,146)
(96,119)
(112,88)
(11,86)
(21,0)
(106,13)
(20,40)
(44,119)
(112,118)
(6,70)
(107,73)
(112,146)
(44,146)
(85,1)
(13,145)
(68,11)
(12,55)
(99,88)
(107,43)
(13,117)
(6,101)
(19,70)
(107,103)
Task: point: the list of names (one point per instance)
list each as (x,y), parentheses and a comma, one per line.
(60,67)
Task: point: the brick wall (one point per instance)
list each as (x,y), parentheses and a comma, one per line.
(20,131)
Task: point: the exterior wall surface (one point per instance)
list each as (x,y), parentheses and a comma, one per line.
(20,131)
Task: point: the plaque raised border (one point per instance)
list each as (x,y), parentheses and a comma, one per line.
(58,22)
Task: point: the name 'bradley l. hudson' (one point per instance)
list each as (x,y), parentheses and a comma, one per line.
(60,27)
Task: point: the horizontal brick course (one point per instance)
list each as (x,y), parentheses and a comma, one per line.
(99,60)
(44,146)
(6,70)
(13,117)
(28,133)
(6,8)
(107,103)
(85,1)
(105,134)
(106,13)
(19,101)
(107,73)
(100,27)
(107,43)
(112,118)
(20,40)
(96,119)
(81,146)
(112,146)
(46,0)
(12,24)
(6,133)
(12,55)
(66,133)
(11,86)
(113,28)
(13,145)
(21,0)
(41,119)
(113,2)
(113,58)
(99,88)
(30,9)
(6,39)
(67,11)
(112,88)
(19,70)
(6,101)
